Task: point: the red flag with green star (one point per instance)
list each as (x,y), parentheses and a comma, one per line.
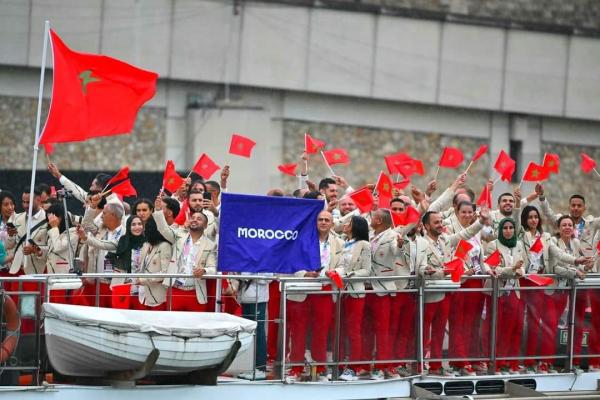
(336,156)
(535,173)
(93,95)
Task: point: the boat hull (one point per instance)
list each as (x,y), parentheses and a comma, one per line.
(94,351)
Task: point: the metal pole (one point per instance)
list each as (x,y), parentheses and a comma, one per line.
(493,320)
(282,318)
(36,140)
(571,319)
(335,371)
(420,350)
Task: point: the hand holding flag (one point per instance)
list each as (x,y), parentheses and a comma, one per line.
(456,268)
(363,199)
(494,259)
(312,145)
(537,246)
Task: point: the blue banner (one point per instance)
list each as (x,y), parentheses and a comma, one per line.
(268,234)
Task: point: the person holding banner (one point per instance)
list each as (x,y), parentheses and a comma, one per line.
(540,251)
(437,305)
(315,311)
(193,254)
(556,298)
(355,262)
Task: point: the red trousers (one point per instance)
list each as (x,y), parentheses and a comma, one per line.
(273,313)
(376,328)
(403,326)
(581,303)
(594,342)
(86,295)
(186,300)
(554,307)
(434,328)
(463,322)
(535,305)
(228,303)
(510,329)
(352,318)
(314,313)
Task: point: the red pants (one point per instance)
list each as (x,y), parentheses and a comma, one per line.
(594,342)
(376,328)
(59,296)
(581,302)
(352,318)
(186,300)
(86,295)
(402,326)
(510,329)
(535,304)
(554,307)
(434,328)
(463,322)
(314,313)
(273,313)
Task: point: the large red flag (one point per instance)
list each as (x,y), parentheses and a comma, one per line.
(535,173)
(336,156)
(551,162)
(493,259)
(505,166)
(93,95)
(205,167)
(171,179)
(288,169)
(587,163)
(241,145)
(124,189)
(312,145)
(363,199)
(119,176)
(480,152)
(451,157)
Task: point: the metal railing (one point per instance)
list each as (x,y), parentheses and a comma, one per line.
(418,358)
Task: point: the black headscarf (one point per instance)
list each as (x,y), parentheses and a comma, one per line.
(128,242)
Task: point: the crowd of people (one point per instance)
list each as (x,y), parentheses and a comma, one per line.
(177,233)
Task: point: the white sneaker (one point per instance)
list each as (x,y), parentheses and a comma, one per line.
(292,377)
(258,375)
(377,375)
(348,375)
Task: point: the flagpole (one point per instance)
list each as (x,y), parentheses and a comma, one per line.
(36,141)
(326,163)
(469,167)
(437,170)
(596,171)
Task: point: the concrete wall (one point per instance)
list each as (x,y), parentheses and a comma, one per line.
(324,51)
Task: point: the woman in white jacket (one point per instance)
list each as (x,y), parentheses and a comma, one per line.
(510,307)
(58,254)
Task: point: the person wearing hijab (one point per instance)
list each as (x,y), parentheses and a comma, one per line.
(510,307)
(129,251)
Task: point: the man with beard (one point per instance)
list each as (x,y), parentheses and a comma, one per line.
(193,254)
(439,252)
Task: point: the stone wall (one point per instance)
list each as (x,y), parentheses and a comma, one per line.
(143,150)
(573,13)
(368,146)
(571,179)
